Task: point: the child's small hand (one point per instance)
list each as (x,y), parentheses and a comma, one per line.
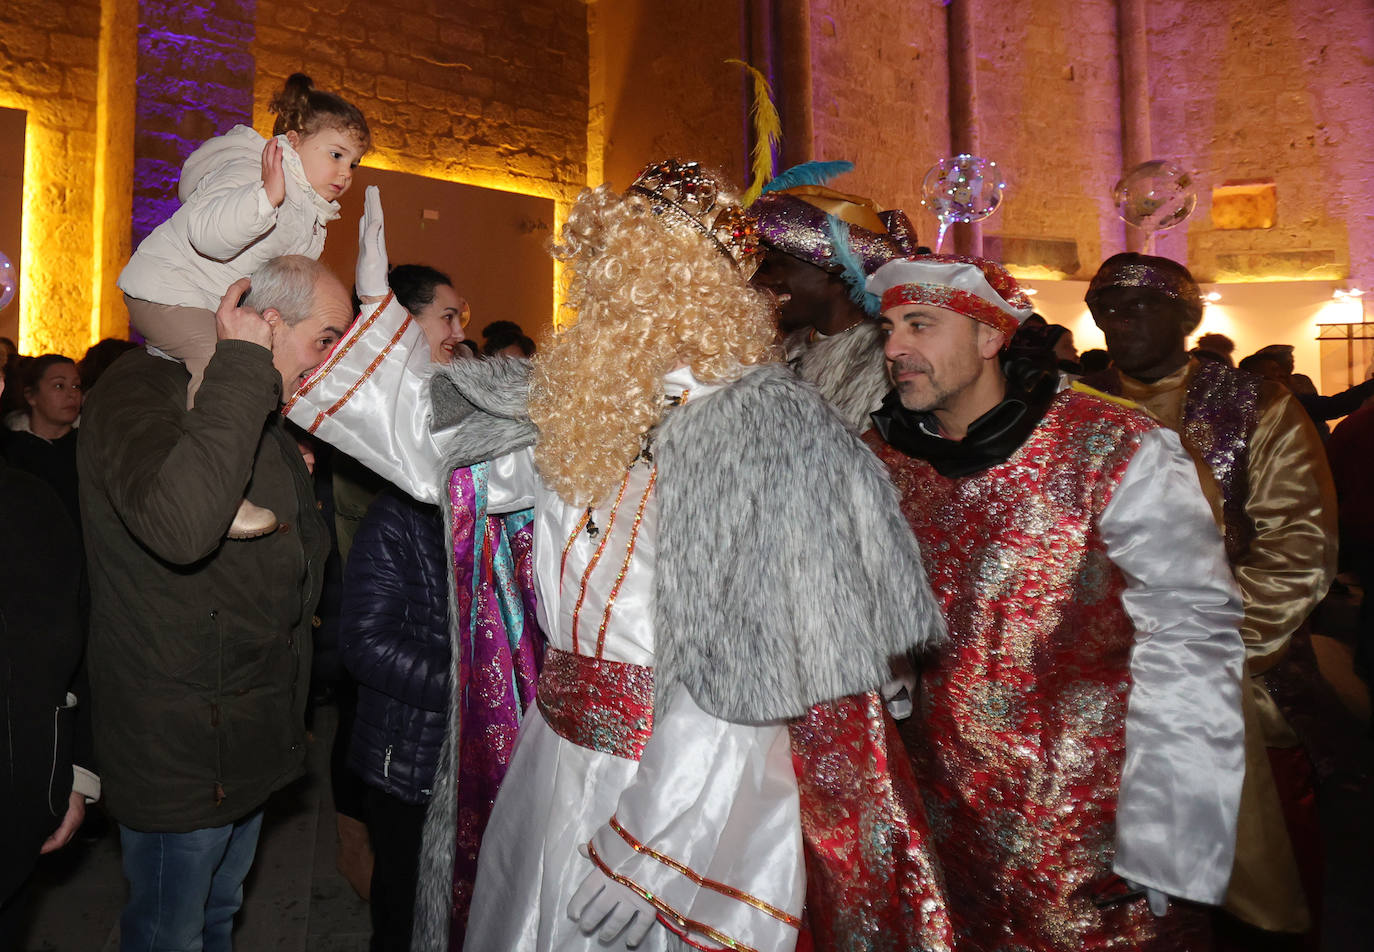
(273,178)
(235,322)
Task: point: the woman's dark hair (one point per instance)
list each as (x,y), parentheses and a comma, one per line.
(99,356)
(1094,360)
(305,110)
(414,285)
(35,367)
(501,334)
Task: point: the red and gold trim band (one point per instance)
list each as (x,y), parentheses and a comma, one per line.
(738,895)
(340,351)
(592,562)
(598,704)
(669,916)
(362,378)
(953,299)
(625,567)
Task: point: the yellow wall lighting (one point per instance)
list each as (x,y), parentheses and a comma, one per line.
(561,195)
(55,267)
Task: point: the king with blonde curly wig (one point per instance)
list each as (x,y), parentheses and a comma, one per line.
(651,293)
(724,609)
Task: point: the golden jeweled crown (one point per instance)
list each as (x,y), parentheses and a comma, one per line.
(691,195)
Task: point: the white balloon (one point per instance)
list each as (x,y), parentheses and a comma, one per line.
(1155,195)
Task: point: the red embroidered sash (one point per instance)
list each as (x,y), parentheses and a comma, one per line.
(598,704)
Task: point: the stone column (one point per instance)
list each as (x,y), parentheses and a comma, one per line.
(195,81)
(963,111)
(1134,49)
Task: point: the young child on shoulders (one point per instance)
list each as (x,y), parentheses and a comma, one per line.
(244,200)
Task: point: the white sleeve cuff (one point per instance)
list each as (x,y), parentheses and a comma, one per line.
(85,783)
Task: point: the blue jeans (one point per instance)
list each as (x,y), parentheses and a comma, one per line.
(184,888)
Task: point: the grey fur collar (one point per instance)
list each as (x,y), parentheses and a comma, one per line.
(848,369)
(787,574)
(486,405)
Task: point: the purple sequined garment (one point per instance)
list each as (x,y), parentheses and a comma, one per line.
(500,648)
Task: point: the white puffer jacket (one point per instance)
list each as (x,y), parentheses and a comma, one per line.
(226,227)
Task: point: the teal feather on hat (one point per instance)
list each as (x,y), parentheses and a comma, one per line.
(853,269)
(808,173)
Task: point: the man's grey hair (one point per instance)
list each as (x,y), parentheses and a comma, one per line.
(287,285)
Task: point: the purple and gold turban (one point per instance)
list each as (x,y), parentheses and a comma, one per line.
(1164,276)
(797,221)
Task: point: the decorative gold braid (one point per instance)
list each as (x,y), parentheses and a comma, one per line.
(666,912)
(730,891)
(596,557)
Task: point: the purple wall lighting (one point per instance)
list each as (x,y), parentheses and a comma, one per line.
(195,81)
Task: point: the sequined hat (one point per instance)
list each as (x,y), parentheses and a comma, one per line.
(1164,276)
(687,194)
(975,287)
(796,221)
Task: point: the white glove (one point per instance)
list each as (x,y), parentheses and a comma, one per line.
(369,279)
(602,903)
(897,695)
(1159,902)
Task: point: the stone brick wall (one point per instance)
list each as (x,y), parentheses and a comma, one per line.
(1048,114)
(498,94)
(665,88)
(195,81)
(1271,90)
(880,96)
(48,55)
(477,91)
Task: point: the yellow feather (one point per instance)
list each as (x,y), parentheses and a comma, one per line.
(767,132)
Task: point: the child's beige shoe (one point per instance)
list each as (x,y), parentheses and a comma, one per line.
(252,521)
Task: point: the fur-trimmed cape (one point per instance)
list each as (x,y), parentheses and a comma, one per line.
(848,369)
(786,572)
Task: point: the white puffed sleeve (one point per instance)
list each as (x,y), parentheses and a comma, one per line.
(1185,735)
(370,399)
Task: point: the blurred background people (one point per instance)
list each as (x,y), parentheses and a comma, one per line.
(98,358)
(506,339)
(1275,362)
(43,436)
(1215,347)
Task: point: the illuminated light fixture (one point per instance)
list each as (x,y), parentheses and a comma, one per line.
(562,195)
(1211,297)
(1341,294)
(1030,292)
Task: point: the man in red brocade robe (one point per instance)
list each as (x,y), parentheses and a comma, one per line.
(1080,746)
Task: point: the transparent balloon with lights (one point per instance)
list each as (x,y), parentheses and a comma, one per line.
(9,280)
(1155,196)
(962,188)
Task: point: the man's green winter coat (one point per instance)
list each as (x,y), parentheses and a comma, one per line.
(199,646)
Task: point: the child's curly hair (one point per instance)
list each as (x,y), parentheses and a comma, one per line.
(650,296)
(303,109)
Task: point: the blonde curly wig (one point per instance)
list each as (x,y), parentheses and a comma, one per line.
(650,296)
